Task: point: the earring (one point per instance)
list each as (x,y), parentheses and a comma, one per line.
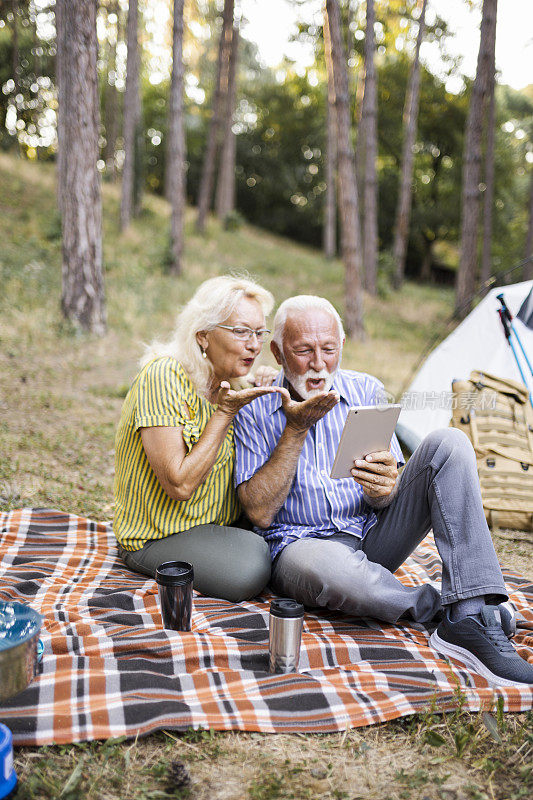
(204,354)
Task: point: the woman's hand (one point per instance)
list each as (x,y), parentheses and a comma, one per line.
(265,376)
(377,474)
(230,401)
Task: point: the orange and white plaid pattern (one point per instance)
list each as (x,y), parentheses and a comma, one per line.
(110,669)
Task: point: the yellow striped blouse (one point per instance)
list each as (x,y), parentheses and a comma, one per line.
(163,395)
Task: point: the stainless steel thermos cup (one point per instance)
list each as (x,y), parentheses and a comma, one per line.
(174,579)
(285,634)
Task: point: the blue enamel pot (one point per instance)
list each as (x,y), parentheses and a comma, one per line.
(19,643)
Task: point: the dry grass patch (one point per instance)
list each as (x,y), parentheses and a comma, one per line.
(453,757)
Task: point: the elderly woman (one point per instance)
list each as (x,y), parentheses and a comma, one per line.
(174,496)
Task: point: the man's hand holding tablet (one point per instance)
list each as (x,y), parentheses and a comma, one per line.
(376,474)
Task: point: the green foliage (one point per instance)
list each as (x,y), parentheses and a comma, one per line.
(386,270)
(437,169)
(280,158)
(27,102)
(233,221)
(280,122)
(52,230)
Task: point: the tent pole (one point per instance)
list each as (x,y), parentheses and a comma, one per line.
(509,316)
(507,328)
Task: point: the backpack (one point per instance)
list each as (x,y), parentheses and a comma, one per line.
(496,415)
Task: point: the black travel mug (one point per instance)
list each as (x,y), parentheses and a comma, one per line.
(285,634)
(174,579)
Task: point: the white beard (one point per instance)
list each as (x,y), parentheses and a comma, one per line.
(298,382)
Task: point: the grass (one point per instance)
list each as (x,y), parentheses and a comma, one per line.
(60,399)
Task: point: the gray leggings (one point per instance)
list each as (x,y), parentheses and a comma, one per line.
(230,563)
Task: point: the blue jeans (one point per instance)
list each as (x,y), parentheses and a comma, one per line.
(439,489)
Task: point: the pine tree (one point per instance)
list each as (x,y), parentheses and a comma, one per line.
(488,195)
(111,119)
(410,117)
(225,197)
(82,298)
(132,117)
(466,275)
(175,167)
(330,214)
(528,269)
(370,199)
(348,199)
(207,179)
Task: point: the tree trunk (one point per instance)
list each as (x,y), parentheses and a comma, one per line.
(111,99)
(350,14)
(330,221)
(528,268)
(225,199)
(62,100)
(370,236)
(466,275)
(132,117)
(488,197)
(208,170)
(348,199)
(82,298)
(360,146)
(175,168)
(410,117)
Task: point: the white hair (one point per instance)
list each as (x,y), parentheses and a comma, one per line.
(302,302)
(212,303)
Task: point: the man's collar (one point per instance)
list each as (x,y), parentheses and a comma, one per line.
(273,401)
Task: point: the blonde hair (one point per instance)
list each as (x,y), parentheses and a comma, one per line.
(212,303)
(302,302)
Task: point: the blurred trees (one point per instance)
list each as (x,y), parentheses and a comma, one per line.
(131,190)
(175,168)
(410,125)
(225,196)
(109,93)
(330,212)
(370,125)
(528,271)
(279,125)
(488,196)
(471,183)
(348,199)
(220,99)
(27,114)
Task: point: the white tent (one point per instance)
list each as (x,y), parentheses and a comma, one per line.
(477,343)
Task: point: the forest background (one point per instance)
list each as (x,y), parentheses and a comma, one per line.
(279,123)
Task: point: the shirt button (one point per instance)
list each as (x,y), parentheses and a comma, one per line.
(324,472)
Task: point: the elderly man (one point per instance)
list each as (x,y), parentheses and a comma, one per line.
(336,543)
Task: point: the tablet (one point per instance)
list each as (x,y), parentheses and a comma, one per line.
(367,429)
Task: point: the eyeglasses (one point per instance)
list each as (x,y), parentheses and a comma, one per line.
(245,334)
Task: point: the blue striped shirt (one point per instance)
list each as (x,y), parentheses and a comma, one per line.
(316,504)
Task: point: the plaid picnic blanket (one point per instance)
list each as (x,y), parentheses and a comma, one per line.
(110,669)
